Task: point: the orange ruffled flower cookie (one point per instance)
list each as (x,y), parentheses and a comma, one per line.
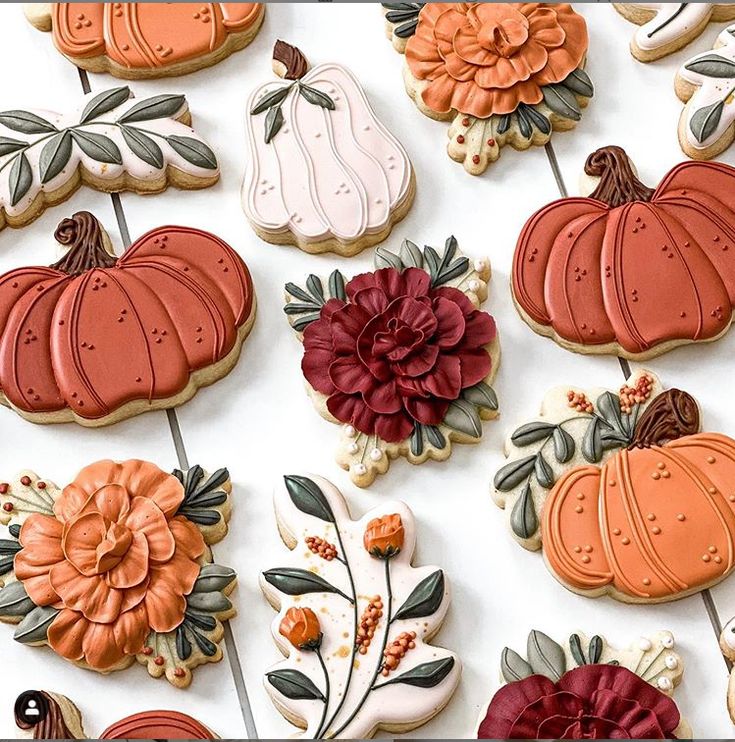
(107,569)
(504,73)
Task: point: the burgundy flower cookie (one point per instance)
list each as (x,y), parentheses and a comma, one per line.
(402,357)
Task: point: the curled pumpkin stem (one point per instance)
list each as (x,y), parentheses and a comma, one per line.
(83,235)
(618,183)
(671,415)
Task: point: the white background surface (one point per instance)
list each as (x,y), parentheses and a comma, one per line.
(260,423)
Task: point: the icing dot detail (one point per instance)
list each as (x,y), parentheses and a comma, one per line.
(671,661)
(644,645)
(664,684)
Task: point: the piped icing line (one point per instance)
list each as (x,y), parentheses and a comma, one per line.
(671,22)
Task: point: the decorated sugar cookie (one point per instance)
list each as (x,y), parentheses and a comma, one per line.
(587,689)
(706,83)
(402,357)
(668,27)
(323,173)
(44,715)
(110,141)
(631,271)
(727,645)
(116,567)
(95,339)
(501,73)
(140,40)
(355,618)
(622,492)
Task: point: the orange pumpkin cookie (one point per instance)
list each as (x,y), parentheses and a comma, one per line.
(623,493)
(116,567)
(502,73)
(629,270)
(143,40)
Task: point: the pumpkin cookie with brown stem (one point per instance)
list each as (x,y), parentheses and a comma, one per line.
(631,271)
(622,492)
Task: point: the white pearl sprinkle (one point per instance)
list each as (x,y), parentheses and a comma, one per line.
(376,454)
(664,684)
(350,432)
(352,448)
(671,661)
(474,285)
(480,265)
(644,645)
(668,641)
(359,469)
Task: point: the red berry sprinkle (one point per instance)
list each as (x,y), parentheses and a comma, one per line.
(460,139)
(465,121)
(41,485)
(25,481)
(4,487)
(491,142)
(147,651)
(179,672)
(476,159)
(159,660)
(8,507)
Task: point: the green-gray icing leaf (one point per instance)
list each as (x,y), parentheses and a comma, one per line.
(14,600)
(545,656)
(481,395)
(595,649)
(386,259)
(55,156)
(200,621)
(273,123)
(7,562)
(705,121)
(183,645)
(417,440)
(575,646)
(424,599)
(435,436)
(579,82)
(33,629)
(523,518)
(425,675)
(712,65)
(531,433)
(562,101)
(299,308)
(26,122)
(537,119)
(450,250)
(304,321)
(294,581)
(315,97)
(315,288)
(298,292)
(9,546)
(544,472)
(208,602)
(156,107)
(206,647)
(458,268)
(143,146)
(200,517)
(524,123)
(294,685)
(504,123)
(14,529)
(97,146)
(213,578)
(20,178)
(410,254)
(592,441)
(564,445)
(337,285)
(512,474)
(104,102)
(463,416)
(8,145)
(307,496)
(193,150)
(513,666)
(608,406)
(275,97)
(431,257)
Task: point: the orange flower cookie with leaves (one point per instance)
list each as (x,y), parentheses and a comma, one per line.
(116,567)
(502,73)
(355,618)
(623,493)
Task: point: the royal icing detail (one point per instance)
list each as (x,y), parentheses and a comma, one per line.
(321,165)
(111,141)
(631,271)
(176,304)
(148,36)
(116,567)
(403,357)
(504,73)
(584,688)
(727,645)
(355,618)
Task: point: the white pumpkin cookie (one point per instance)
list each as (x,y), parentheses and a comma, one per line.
(323,172)
(727,645)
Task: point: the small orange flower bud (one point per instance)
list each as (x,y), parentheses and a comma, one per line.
(301,627)
(384,536)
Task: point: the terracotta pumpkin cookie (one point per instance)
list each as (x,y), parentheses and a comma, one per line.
(323,172)
(502,73)
(177,304)
(140,40)
(116,567)
(622,492)
(355,618)
(668,27)
(401,357)
(631,271)
(43,715)
(587,689)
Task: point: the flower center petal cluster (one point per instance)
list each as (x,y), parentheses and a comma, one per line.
(397,352)
(115,559)
(487,58)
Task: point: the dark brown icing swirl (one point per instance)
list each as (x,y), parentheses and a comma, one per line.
(292,59)
(82,234)
(671,415)
(49,723)
(618,183)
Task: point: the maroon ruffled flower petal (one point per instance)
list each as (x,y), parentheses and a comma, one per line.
(371,299)
(383,398)
(419,363)
(450,323)
(394,428)
(480,330)
(351,408)
(445,379)
(347,374)
(346,324)
(426,411)
(476,365)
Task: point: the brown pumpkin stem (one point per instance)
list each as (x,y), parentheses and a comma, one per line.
(671,415)
(84,237)
(288,61)
(618,183)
